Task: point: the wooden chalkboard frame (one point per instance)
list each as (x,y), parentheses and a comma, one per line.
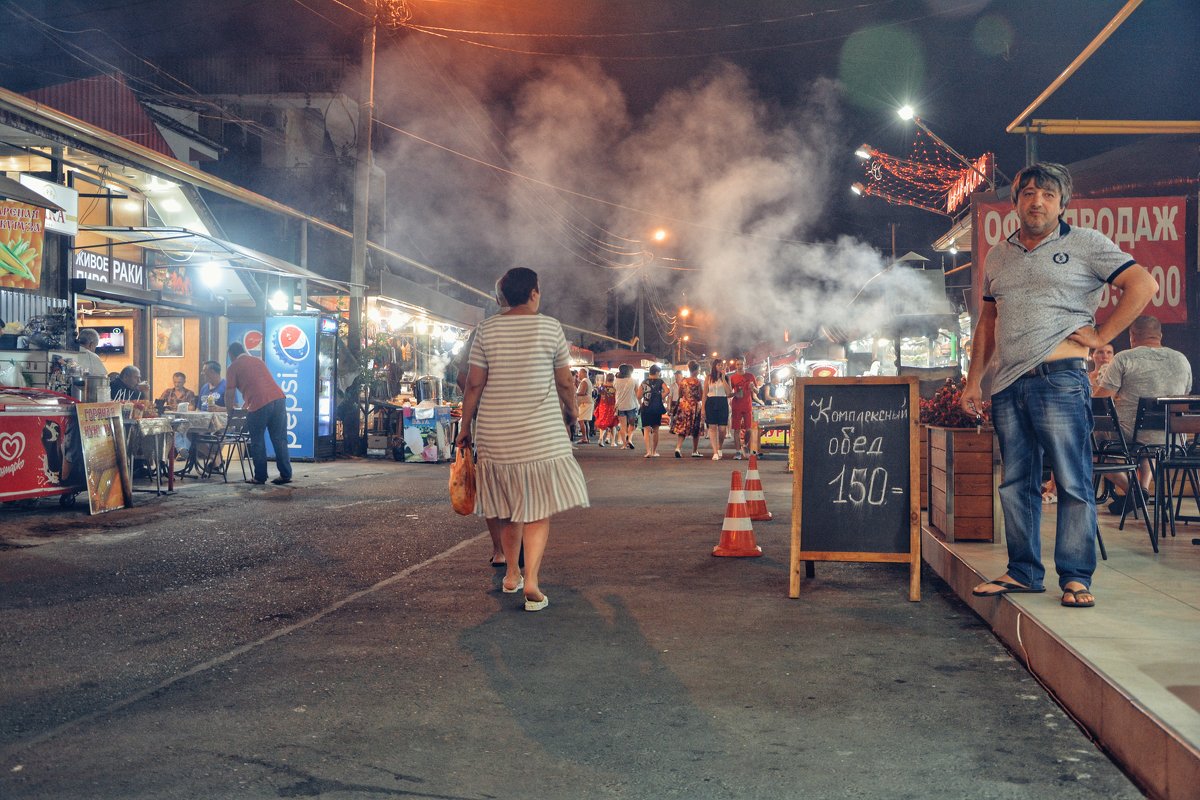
(801,556)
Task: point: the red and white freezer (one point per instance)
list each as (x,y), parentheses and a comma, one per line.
(33,425)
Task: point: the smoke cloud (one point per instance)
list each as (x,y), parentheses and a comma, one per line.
(739,183)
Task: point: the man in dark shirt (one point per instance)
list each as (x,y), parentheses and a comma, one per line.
(265,404)
(125,387)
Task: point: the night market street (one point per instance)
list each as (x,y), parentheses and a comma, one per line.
(345,637)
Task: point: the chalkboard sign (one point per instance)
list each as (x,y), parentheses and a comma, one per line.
(857,466)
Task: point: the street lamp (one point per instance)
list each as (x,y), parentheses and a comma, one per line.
(865,152)
(906,113)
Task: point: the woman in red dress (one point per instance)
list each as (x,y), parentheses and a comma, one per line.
(606,411)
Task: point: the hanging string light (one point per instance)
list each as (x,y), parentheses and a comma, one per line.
(931,178)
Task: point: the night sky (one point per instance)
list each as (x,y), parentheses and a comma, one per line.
(731,124)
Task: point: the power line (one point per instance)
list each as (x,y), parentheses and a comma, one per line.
(661,32)
(684,56)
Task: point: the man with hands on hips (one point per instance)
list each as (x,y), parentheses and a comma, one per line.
(1041,289)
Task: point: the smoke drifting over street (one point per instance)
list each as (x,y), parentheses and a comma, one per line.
(738,183)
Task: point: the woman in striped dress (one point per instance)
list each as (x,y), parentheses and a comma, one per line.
(519,392)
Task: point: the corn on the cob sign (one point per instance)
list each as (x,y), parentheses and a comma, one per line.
(104,460)
(22,239)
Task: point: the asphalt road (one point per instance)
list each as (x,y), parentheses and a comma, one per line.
(344,637)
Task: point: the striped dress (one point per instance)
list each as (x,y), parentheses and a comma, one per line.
(527,470)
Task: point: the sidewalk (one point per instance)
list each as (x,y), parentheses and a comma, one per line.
(1128,669)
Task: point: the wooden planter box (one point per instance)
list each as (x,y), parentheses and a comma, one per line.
(963,503)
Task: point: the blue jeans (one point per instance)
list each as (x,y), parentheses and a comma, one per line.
(1051,415)
(272,420)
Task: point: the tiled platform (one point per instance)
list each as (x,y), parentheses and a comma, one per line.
(1129,669)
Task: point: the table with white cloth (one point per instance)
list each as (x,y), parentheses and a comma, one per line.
(148,439)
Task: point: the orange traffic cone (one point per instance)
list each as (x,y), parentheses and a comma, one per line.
(756,501)
(737,534)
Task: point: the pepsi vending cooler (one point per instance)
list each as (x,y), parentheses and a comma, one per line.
(301,352)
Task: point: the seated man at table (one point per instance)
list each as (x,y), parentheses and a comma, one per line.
(178,393)
(1146,369)
(126,387)
(211,397)
(212,393)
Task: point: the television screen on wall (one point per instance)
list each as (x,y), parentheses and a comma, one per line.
(112,339)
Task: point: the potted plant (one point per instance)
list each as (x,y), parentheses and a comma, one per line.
(962,480)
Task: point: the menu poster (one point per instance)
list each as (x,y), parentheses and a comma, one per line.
(104,462)
(22,239)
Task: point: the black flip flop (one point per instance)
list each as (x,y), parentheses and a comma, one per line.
(1075,594)
(1006,588)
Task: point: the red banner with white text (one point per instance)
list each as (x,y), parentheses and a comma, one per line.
(1151,229)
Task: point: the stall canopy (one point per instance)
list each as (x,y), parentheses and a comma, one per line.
(414,297)
(14,190)
(581,356)
(239,270)
(611,359)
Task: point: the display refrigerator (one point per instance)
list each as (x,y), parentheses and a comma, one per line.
(301,352)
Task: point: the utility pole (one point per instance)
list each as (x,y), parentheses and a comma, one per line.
(362,191)
(641,313)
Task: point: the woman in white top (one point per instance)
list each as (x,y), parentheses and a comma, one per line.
(583,404)
(519,393)
(627,404)
(716,406)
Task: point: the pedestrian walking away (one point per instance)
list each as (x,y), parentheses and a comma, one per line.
(265,405)
(651,400)
(1041,288)
(627,404)
(519,392)
(606,412)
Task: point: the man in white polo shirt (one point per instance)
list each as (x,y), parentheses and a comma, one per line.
(1041,289)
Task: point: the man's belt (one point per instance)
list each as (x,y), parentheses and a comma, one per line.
(1059,365)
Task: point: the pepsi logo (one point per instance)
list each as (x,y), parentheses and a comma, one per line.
(252,341)
(291,344)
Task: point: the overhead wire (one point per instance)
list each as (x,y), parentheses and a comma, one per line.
(677,56)
(665,31)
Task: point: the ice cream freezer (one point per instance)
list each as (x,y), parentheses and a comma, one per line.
(33,429)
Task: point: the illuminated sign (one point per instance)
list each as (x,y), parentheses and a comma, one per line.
(290,351)
(970,180)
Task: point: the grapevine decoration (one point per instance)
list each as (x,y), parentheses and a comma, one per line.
(943,409)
